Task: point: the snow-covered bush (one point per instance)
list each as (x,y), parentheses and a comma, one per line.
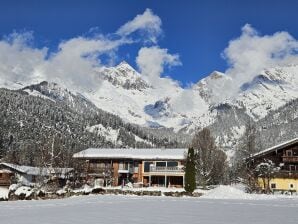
(265,171)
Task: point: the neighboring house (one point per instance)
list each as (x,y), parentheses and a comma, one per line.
(285,158)
(5,177)
(29,175)
(141,167)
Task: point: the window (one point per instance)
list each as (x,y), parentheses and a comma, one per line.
(289,152)
(136,167)
(292,167)
(273,185)
(147,166)
(161,164)
(172,164)
(123,165)
(291,186)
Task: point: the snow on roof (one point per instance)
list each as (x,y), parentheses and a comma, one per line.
(276,147)
(35,171)
(5,171)
(132,153)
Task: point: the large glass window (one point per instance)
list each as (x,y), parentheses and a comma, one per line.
(147,166)
(172,164)
(123,166)
(161,164)
(136,167)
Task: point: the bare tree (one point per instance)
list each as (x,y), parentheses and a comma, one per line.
(209,160)
(246,148)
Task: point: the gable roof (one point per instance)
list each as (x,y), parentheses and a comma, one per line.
(37,171)
(132,153)
(274,148)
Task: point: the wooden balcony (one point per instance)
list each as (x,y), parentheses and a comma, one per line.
(4,182)
(286,174)
(290,159)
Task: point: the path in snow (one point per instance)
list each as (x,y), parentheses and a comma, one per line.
(111,209)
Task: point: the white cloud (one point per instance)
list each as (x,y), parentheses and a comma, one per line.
(147,22)
(76,59)
(152,61)
(249,54)
(18,60)
(74,63)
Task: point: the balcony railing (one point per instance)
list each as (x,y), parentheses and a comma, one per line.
(126,170)
(286,174)
(163,169)
(290,159)
(4,182)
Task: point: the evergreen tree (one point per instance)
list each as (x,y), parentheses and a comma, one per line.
(190,171)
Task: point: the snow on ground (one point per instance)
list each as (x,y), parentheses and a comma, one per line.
(237,192)
(111,209)
(3,193)
(161,189)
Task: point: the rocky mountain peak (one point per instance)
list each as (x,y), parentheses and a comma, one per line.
(124,66)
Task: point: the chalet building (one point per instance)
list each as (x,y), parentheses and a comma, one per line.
(29,175)
(141,167)
(285,157)
(5,177)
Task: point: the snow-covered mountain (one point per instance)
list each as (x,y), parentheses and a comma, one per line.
(211,87)
(268,91)
(122,91)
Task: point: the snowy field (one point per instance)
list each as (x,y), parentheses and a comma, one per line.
(112,209)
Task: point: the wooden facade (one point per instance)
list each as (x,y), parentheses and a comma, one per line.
(5,177)
(285,157)
(28,175)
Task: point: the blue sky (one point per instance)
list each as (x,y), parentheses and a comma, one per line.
(197,31)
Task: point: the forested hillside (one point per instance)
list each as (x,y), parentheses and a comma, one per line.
(34,128)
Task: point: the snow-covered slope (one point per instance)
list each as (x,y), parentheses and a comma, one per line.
(197,107)
(269,90)
(211,87)
(123,75)
(123,91)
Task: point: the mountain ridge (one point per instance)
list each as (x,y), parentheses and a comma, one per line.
(125,93)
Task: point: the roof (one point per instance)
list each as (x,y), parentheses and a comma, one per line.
(274,148)
(37,171)
(5,171)
(132,153)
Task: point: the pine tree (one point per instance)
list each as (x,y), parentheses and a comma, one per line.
(190,171)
